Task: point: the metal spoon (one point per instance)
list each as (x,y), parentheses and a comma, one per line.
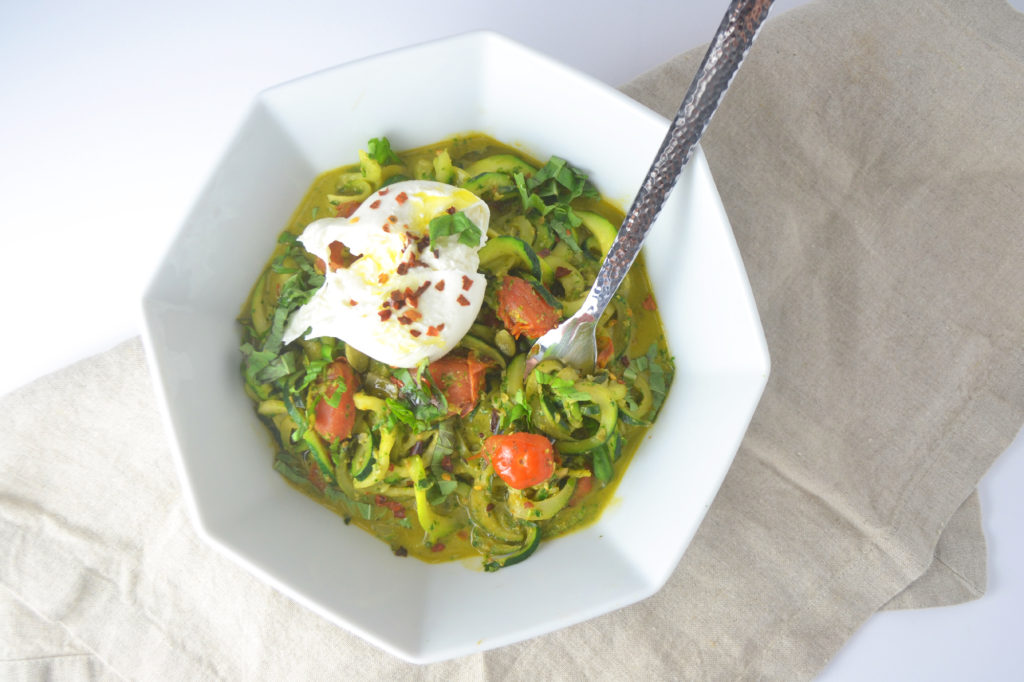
(573,342)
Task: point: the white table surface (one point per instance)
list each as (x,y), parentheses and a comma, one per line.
(114,112)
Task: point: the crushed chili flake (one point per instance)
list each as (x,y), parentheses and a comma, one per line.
(375,204)
(401,197)
(451,210)
(404,320)
(384,314)
(624,360)
(396,296)
(383,191)
(402,268)
(433,331)
(467,283)
(415,332)
(386,227)
(414,315)
(649,303)
(437,547)
(392,219)
(352,301)
(544,253)
(420,289)
(401,551)
(462,300)
(383,278)
(490,506)
(440,285)
(440,326)
(562,271)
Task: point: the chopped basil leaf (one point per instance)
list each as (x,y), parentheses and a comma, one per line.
(454,224)
(379,149)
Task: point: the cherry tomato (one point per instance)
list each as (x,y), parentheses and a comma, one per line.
(335,423)
(459,378)
(523,310)
(521,459)
(346,208)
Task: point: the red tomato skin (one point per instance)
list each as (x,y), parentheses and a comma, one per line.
(335,423)
(459,378)
(522,310)
(521,459)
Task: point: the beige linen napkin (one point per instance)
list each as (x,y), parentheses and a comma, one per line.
(870,156)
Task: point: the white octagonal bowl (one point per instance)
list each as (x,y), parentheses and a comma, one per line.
(418,611)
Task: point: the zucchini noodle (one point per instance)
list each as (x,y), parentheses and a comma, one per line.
(413,466)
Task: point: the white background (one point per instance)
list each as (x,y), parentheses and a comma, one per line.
(113,113)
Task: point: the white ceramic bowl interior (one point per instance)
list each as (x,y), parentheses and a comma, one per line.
(419,95)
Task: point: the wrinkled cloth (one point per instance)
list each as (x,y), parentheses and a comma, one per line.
(870,156)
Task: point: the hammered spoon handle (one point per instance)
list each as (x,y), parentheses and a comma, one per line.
(573,341)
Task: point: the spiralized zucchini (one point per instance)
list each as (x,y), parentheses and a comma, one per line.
(413,466)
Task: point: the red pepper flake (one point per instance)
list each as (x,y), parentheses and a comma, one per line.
(352,301)
(414,315)
(419,291)
(440,326)
(383,278)
(437,547)
(375,204)
(402,268)
(562,271)
(392,219)
(462,300)
(404,320)
(440,285)
(383,191)
(490,506)
(386,228)
(415,332)
(401,197)
(396,296)
(384,314)
(433,331)
(467,283)
(423,242)
(544,253)
(451,210)
(401,551)
(649,303)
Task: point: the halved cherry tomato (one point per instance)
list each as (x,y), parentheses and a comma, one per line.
(521,459)
(522,309)
(460,379)
(584,485)
(346,208)
(335,423)
(605,350)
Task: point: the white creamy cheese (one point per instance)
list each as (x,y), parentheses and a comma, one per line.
(398,301)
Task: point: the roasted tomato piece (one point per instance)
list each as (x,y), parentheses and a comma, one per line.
(523,310)
(335,410)
(521,459)
(460,379)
